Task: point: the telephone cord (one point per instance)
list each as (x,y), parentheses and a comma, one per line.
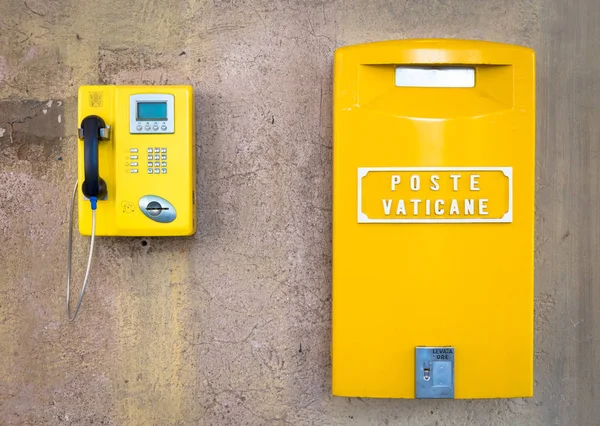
(70,253)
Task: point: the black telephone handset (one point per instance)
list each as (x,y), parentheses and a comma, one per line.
(93,128)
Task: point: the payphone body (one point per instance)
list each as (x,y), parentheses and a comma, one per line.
(433,220)
(147,162)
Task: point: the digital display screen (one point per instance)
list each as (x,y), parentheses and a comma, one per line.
(152,111)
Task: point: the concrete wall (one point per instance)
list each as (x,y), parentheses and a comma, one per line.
(232,326)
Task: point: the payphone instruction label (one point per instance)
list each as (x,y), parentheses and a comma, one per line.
(435,194)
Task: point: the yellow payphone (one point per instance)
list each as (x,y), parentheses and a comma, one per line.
(433,220)
(136,164)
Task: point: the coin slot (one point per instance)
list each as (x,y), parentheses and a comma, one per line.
(157,209)
(154,208)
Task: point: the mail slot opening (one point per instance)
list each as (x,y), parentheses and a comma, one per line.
(411,76)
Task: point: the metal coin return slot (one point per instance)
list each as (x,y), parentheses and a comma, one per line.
(154,208)
(157,208)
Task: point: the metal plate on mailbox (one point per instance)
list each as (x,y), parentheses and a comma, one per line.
(434,368)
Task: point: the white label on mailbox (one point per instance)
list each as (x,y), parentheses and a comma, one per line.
(435,194)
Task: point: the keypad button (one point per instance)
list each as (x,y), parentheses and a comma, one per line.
(156,170)
(164,157)
(133,164)
(133,171)
(138,127)
(147,127)
(149,149)
(157,157)
(149,170)
(163,150)
(150,164)
(164,164)
(163,127)
(133,150)
(150,157)
(133,157)
(164,171)
(154,127)
(156,149)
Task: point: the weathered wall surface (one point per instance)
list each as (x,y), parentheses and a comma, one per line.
(232,326)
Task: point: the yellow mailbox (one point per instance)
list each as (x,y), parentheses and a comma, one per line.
(433,220)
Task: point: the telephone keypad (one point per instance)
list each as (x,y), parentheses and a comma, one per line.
(156,167)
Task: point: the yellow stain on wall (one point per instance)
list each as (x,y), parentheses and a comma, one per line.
(149,366)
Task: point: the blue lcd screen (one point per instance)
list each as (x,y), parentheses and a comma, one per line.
(152,111)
